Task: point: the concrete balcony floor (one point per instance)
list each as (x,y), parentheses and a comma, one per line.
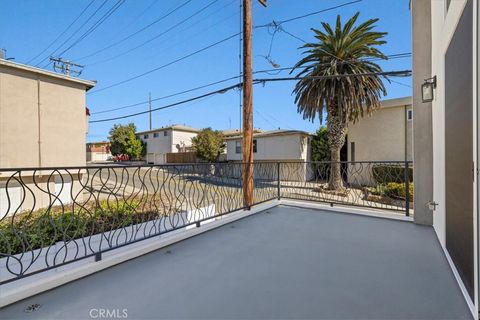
(286,262)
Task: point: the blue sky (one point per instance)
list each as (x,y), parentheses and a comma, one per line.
(32,25)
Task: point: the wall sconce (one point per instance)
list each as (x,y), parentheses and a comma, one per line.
(427,89)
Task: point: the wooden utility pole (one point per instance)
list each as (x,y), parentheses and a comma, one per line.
(247,105)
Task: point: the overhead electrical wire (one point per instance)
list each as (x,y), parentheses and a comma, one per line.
(401,73)
(156,36)
(165,65)
(162,17)
(74,33)
(220,91)
(62,33)
(106,15)
(392,56)
(308,14)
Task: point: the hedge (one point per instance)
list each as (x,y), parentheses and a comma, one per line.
(393,190)
(391,173)
(45,227)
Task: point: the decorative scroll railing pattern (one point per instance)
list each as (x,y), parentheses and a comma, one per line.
(54,216)
(380,185)
(50,217)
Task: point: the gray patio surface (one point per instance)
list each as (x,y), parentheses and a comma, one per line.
(285,262)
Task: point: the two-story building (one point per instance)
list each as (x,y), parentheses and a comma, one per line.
(43,123)
(292,146)
(386,135)
(171,139)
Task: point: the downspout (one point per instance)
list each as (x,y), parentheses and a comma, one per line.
(39,124)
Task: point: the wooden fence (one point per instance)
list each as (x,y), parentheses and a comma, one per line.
(181,157)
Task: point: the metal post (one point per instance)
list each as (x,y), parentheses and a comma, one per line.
(407,189)
(278,180)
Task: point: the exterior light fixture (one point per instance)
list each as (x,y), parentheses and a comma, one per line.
(427,89)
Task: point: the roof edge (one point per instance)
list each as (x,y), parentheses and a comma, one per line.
(88,83)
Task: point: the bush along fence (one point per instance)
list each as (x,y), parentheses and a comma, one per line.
(53,216)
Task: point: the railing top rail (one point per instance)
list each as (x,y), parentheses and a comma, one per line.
(146,165)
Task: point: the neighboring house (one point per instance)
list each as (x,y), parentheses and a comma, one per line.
(43,123)
(176,138)
(446,126)
(277,145)
(98,151)
(386,135)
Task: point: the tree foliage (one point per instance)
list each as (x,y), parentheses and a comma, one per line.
(340,52)
(124,141)
(208,144)
(320,147)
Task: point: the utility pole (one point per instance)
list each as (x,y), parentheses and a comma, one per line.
(150,109)
(248,103)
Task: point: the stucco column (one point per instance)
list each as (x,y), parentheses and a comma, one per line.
(422,112)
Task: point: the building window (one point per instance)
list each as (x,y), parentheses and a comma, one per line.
(145,136)
(238,146)
(155,135)
(254,145)
(165,133)
(409,115)
(352,151)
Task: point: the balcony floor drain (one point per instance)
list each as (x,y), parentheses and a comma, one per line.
(32,308)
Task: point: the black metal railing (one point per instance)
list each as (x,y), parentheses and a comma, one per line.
(386,185)
(50,217)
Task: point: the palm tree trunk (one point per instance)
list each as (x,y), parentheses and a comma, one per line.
(337,131)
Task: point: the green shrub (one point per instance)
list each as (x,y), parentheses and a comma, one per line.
(391,173)
(393,190)
(44,227)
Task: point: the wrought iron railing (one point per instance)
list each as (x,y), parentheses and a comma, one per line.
(50,217)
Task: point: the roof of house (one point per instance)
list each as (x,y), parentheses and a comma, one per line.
(98,142)
(88,83)
(396,102)
(176,127)
(272,133)
(236,132)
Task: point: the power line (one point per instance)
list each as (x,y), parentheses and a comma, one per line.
(114,8)
(61,34)
(165,65)
(401,73)
(393,56)
(138,31)
(156,36)
(168,96)
(199,32)
(75,32)
(220,91)
(309,14)
(205,48)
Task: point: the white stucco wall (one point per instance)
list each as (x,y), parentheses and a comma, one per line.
(275,148)
(158,147)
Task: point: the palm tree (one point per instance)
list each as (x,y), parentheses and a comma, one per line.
(347,50)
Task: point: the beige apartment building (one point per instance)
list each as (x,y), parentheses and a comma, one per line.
(386,135)
(43,123)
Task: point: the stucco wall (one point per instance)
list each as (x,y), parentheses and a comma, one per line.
(381,137)
(275,148)
(158,147)
(42,120)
